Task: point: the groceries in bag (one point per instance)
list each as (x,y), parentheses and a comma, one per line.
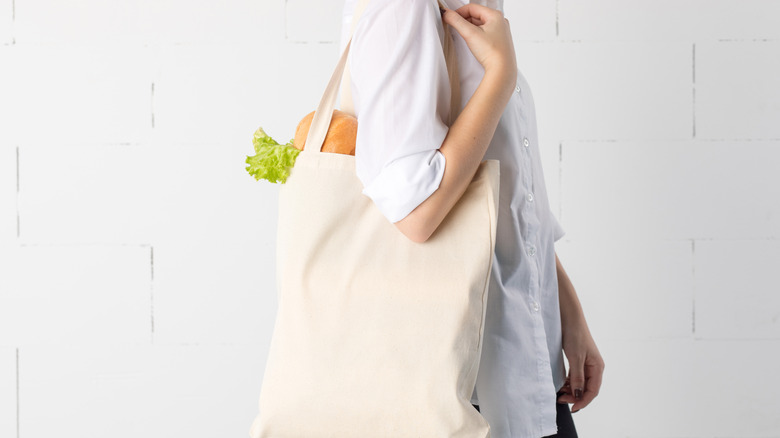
(272,161)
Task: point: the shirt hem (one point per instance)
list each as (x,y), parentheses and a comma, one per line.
(547,432)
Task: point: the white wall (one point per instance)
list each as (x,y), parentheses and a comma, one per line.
(137,256)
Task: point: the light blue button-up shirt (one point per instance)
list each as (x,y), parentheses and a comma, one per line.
(400,92)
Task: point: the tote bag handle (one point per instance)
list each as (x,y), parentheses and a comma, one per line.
(324,113)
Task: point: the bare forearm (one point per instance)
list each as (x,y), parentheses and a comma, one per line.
(571,309)
(586,365)
(463,148)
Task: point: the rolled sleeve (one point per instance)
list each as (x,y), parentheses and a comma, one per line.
(405,183)
(558,230)
(401,94)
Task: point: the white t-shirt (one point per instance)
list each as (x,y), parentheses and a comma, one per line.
(401,94)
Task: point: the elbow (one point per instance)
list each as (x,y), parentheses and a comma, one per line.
(415,228)
(421,224)
(417,236)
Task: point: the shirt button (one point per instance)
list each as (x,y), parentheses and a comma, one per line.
(531,250)
(525,141)
(517,88)
(530,197)
(535,306)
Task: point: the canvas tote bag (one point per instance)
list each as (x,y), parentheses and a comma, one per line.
(375,336)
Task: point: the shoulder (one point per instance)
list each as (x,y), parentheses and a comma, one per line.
(413,8)
(399,19)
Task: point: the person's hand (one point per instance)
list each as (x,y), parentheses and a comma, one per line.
(585,367)
(486,32)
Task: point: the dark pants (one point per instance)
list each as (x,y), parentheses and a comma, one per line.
(563,419)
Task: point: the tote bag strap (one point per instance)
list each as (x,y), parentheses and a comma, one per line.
(347,104)
(324,112)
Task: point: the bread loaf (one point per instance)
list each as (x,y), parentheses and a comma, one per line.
(341,136)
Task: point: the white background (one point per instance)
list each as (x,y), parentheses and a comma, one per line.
(137,288)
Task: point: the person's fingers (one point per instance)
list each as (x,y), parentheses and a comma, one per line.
(477,11)
(577,376)
(566,396)
(591,391)
(594,374)
(464,25)
(594,378)
(566,386)
(472,13)
(583,401)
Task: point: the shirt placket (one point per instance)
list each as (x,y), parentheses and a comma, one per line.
(531,239)
(531,232)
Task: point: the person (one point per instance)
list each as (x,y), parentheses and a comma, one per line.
(415,168)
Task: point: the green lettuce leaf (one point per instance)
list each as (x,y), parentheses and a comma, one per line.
(272,161)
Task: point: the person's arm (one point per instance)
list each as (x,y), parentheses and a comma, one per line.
(464,148)
(586,366)
(487,34)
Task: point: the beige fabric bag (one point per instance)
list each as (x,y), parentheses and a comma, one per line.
(375,336)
